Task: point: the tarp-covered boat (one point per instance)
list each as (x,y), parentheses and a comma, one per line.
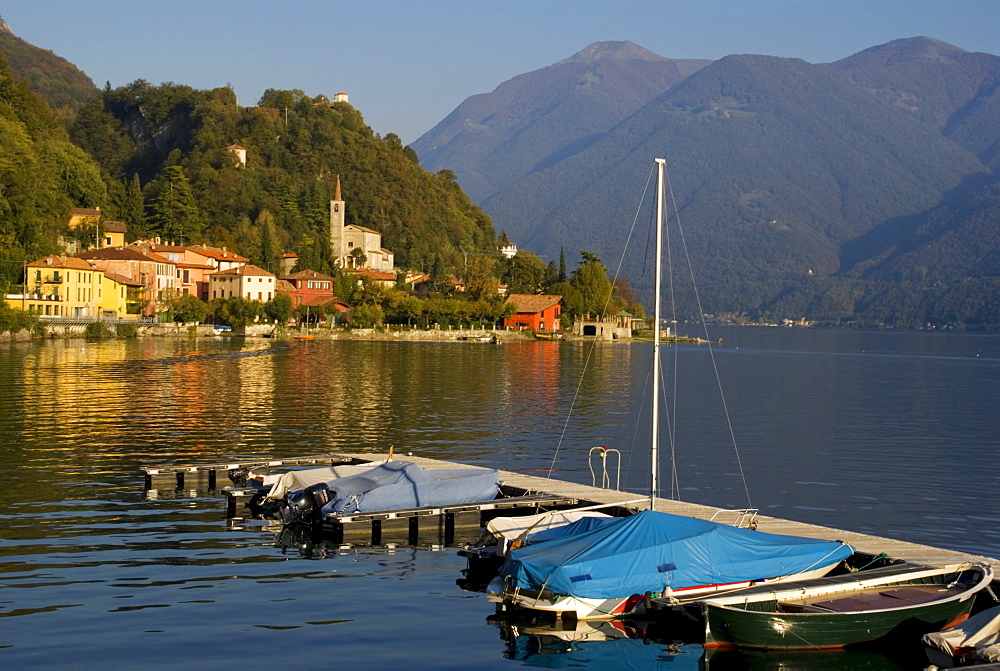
(975,641)
(607,571)
(401,484)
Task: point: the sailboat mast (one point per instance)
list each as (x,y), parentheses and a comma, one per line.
(655,452)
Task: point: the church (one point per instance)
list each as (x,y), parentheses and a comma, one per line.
(346,239)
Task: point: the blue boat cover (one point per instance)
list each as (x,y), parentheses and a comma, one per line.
(650,551)
(579,526)
(401,484)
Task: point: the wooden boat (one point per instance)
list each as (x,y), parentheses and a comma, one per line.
(847,610)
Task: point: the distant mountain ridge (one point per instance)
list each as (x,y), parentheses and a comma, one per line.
(802,187)
(536,119)
(55,79)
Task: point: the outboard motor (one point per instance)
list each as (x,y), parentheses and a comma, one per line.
(239,476)
(304,505)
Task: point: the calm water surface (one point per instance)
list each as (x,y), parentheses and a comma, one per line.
(894,434)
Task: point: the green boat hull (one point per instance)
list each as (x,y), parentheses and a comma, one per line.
(798,631)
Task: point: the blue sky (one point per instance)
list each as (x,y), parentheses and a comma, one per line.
(406,64)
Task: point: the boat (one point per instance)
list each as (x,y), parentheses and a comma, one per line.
(616,569)
(975,641)
(548,335)
(393,485)
(899,601)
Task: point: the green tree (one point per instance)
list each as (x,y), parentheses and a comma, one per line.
(591,279)
(279,308)
(527,274)
(480,282)
(270,254)
(175,213)
(187,308)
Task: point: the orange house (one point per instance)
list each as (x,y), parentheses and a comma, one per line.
(537,313)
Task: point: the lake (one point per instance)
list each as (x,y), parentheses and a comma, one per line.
(887,433)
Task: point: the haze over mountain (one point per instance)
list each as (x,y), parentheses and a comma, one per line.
(803,189)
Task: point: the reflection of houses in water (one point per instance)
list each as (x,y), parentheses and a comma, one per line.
(604,328)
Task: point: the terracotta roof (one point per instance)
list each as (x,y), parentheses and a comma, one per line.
(167,248)
(218,254)
(530,304)
(115,254)
(326,301)
(289,255)
(114,226)
(60,261)
(284,286)
(308,275)
(158,258)
(373,274)
(193,266)
(247,269)
(85,212)
(121,279)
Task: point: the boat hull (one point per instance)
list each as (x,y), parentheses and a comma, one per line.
(634,604)
(762,624)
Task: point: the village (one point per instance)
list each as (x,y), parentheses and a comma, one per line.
(121,282)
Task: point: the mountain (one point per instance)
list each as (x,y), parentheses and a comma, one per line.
(537,119)
(55,79)
(803,189)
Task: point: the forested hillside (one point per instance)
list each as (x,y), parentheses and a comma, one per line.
(172,136)
(59,82)
(42,176)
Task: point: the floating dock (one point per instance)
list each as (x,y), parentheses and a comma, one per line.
(520,493)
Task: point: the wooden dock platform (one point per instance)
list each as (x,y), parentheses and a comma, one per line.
(546,493)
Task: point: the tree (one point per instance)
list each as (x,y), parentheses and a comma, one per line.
(175,213)
(591,279)
(562,277)
(527,274)
(359,256)
(279,308)
(480,283)
(187,308)
(132,209)
(270,255)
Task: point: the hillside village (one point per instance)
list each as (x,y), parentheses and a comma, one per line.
(143,281)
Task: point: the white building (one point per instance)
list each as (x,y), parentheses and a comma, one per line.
(345,238)
(246,281)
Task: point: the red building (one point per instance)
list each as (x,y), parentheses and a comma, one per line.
(308,287)
(537,313)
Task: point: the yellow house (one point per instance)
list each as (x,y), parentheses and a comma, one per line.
(116,296)
(63,286)
(84,217)
(114,234)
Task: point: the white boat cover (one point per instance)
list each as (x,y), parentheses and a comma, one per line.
(507,529)
(291,481)
(978,638)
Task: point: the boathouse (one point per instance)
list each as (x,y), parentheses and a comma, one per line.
(609,327)
(536,313)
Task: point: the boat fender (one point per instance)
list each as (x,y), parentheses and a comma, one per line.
(647,601)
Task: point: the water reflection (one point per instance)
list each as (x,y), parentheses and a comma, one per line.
(883,433)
